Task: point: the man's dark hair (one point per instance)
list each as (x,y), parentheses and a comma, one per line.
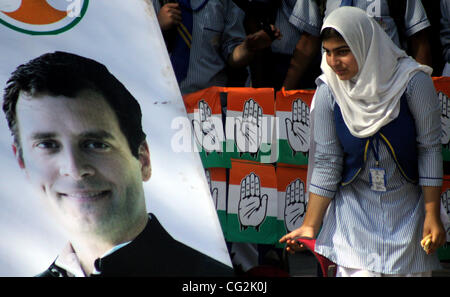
(328,33)
(66,74)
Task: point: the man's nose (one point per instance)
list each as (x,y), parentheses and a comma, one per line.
(74,164)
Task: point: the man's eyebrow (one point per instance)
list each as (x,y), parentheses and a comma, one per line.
(42,135)
(98,134)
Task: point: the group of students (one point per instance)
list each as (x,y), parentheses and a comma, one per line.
(276,43)
(375,158)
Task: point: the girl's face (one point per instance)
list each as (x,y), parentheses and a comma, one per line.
(340,58)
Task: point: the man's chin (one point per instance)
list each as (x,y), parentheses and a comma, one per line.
(93,224)
(87,215)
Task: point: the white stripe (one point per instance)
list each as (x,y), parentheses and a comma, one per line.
(234,194)
(221,187)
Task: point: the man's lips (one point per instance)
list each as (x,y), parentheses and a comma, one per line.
(85,195)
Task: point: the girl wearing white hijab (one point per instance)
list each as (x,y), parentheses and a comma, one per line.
(374,192)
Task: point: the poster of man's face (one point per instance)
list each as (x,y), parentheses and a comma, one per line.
(86,137)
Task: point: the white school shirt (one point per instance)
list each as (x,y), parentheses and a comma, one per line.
(306,16)
(377,231)
(217,29)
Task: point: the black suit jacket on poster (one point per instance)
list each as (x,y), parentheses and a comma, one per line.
(153,253)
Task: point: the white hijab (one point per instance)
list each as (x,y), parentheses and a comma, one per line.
(371,99)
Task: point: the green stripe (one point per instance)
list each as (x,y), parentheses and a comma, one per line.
(444,252)
(222,215)
(263,155)
(445,154)
(267,234)
(286,154)
(281,232)
(215,159)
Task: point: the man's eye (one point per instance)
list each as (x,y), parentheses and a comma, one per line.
(96,145)
(47,145)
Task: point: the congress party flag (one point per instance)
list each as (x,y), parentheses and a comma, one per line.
(442,86)
(444,252)
(250,123)
(217,181)
(205,114)
(292,198)
(292,111)
(252,203)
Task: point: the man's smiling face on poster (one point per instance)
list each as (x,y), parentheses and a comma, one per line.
(75,155)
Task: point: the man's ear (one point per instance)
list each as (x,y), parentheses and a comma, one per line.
(18,155)
(144,160)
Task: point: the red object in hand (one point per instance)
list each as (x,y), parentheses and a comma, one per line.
(328,267)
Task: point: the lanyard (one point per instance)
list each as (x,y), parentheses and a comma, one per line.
(377,175)
(376,149)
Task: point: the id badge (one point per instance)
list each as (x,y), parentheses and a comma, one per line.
(378,179)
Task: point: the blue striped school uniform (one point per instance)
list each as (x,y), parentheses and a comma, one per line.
(445,29)
(291,35)
(306,16)
(365,229)
(217,29)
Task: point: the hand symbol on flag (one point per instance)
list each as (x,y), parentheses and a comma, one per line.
(445,197)
(215,191)
(207,129)
(445,118)
(445,212)
(298,128)
(252,206)
(295,206)
(248,130)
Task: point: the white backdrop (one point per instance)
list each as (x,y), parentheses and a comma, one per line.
(125,36)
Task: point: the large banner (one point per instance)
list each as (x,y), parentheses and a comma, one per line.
(125,37)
